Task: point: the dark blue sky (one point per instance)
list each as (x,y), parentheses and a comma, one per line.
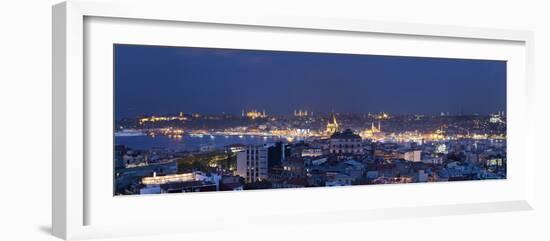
(157,80)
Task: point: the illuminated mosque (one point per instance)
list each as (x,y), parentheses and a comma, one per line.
(332,125)
(253,114)
(372,132)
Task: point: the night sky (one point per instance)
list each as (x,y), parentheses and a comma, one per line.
(161,80)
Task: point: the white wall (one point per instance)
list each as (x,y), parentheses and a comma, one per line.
(25,102)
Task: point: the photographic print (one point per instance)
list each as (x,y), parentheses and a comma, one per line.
(190,119)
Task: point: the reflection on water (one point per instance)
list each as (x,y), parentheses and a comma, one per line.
(190,143)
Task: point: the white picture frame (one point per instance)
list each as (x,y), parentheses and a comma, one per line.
(75,201)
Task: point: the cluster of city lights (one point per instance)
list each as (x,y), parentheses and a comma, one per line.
(254,114)
(180,117)
(170,132)
(157,180)
(373,133)
(291,134)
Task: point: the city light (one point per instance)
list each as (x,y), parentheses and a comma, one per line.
(157,180)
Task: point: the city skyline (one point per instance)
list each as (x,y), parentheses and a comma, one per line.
(160,80)
(208,120)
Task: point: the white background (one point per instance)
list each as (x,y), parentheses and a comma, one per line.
(25,100)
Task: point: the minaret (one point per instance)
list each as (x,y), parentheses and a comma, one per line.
(379,129)
(242,113)
(332,125)
(334,121)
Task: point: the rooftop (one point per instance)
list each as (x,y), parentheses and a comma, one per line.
(346,134)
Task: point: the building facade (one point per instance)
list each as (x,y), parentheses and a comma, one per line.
(413,155)
(346,143)
(252,163)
